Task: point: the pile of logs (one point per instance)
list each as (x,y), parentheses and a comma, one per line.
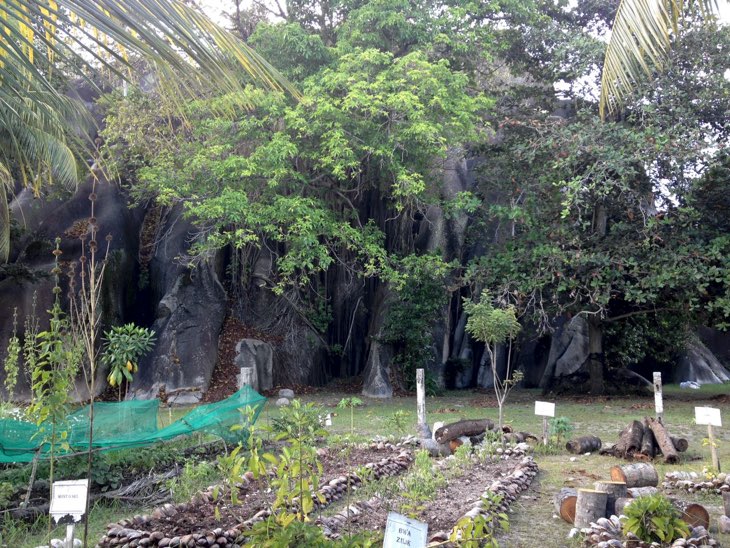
(646,441)
(585,506)
(449,437)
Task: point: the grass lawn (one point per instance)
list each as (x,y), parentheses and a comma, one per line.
(531,516)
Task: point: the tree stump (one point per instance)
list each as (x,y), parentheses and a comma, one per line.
(637,474)
(621,504)
(630,440)
(663,441)
(680,444)
(615,490)
(589,506)
(564,501)
(584,444)
(636,492)
(455,430)
(692,514)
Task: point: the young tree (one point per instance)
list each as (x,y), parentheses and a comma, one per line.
(495,327)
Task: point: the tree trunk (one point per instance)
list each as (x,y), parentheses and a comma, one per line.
(621,504)
(647,443)
(615,490)
(584,444)
(680,444)
(726,502)
(663,441)
(589,506)
(564,501)
(692,514)
(638,474)
(454,430)
(630,440)
(597,383)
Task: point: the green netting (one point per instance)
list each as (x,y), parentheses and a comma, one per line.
(127,424)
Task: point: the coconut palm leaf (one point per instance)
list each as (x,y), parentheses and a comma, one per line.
(640,41)
(44,44)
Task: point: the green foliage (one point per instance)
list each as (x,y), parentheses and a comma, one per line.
(298,420)
(11,365)
(350,403)
(560,428)
(274,533)
(654,519)
(194,477)
(399,421)
(123,347)
(7,490)
(480,531)
(420,484)
(409,323)
(491,325)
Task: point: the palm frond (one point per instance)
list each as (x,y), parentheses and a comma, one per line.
(640,41)
(5,182)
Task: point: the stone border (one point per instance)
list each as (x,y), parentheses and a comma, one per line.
(129,533)
(509,487)
(691,482)
(608,533)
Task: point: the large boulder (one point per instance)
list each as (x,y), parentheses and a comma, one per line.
(189,318)
(700,365)
(568,350)
(259,356)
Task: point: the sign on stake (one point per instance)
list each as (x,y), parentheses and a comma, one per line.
(544,409)
(68,504)
(711,417)
(401,531)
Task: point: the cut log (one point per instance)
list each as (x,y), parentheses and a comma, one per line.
(726,502)
(680,444)
(630,440)
(434,448)
(647,443)
(637,474)
(621,504)
(584,444)
(692,514)
(636,492)
(590,505)
(663,440)
(455,430)
(615,490)
(564,501)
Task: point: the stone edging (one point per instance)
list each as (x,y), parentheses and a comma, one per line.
(691,482)
(130,533)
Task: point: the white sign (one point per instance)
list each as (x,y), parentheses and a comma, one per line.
(69,498)
(544,408)
(708,415)
(401,531)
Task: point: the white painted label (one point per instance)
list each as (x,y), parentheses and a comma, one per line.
(544,409)
(69,498)
(328,420)
(708,415)
(658,403)
(401,531)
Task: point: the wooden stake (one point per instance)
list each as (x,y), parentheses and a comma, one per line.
(423,430)
(658,403)
(246,377)
(544,431)
(713,449)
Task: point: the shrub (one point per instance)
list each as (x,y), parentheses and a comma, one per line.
(654,519)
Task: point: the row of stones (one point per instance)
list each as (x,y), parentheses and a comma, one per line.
(691,482)
(608,533)
(130,533)
(508,487)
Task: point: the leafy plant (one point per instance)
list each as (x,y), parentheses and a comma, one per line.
(560,428)
(298,420)
(654,519)
(350,403)
(123,347)
(398,421)
(479,531)
(194,477)
(495,326)
(12,358)
(420,484)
